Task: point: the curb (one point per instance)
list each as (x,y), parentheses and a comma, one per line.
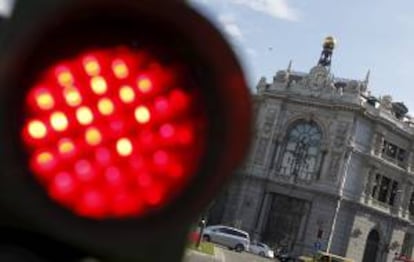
(217,257)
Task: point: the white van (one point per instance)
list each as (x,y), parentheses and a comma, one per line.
(230,237)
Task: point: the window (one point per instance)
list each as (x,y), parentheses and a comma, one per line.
(411,205)
(392,151)
(408,244)
(218,229)
(376,185)
(401,155)
(223,230)
(384,189)
(300,158)
(233,232)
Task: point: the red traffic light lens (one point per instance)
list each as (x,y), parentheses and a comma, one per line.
(114,132)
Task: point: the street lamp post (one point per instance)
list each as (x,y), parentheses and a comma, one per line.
(202,225)
(339,201)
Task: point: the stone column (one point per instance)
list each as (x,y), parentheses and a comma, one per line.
(373,143)
(399,198)
(407,198)
(410,158)
(370,183)
(377,143)
(280,153)
(389,191)
(321,162)
(264,211)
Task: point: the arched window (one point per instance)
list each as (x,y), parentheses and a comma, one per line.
(301,156)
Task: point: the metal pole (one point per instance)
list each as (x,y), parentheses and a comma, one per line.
(200,235)
(339,202)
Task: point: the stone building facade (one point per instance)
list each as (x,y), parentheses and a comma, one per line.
(330,167)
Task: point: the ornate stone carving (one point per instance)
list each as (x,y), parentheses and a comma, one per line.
(334,167)
(269,119)
(318,78)
(341,135)
(353,86)
(260,153)
(386,102)
(378,142)
(410,161)
(262,84)
(282,76)
(369,180)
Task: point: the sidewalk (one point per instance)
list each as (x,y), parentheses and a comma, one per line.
(195,256)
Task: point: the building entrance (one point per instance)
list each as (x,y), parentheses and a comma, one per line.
(284,221)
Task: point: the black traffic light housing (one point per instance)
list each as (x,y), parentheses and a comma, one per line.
(39,33)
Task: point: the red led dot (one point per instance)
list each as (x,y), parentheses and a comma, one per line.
(45,161)
(72,96)
(66,147)
(63,187)
(142,114)
(167,130)
(84,115)
(91,65)
(59,121)
(161,105)
(120,69)
(144,179)
(126,94)
(113,176)
(44,99)
(84,172)
(124,147)
(92,204)
(116,126)
(106,106)
(179,100)
(37,129)
(160,158)
(98,85)
(103,156)
(144,84)
(155,195)
(63,76)
(93,136)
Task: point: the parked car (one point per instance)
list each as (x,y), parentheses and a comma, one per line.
(284,255)
(261,249)
(230,237)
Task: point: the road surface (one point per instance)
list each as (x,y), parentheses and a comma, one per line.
(224,255)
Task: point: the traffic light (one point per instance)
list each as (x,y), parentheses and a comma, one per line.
(120,120)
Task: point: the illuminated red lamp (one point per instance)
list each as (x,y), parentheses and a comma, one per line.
(108,139)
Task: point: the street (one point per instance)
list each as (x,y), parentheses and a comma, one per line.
(224,255)
(231,256)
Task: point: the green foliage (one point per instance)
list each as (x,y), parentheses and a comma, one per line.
(205,247)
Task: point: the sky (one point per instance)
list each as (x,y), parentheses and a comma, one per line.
(375,35)
(6,7)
